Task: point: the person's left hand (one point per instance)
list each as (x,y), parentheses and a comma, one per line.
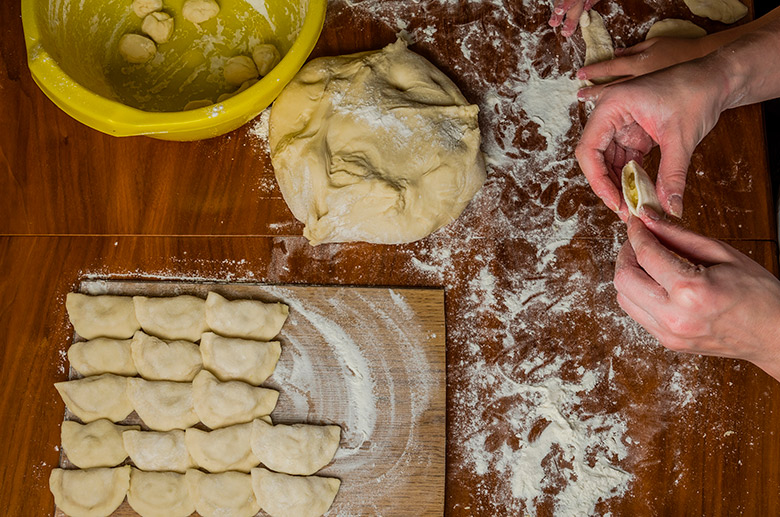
(645,57)
(570,11)
(699,295)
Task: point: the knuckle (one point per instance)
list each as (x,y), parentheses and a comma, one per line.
(689,294)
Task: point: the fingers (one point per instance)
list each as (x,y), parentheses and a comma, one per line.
(698,248)
(618,67)
(590,3)
(641,316)
(672,172)
(572,18)
(595,140)
(661,264)
(559,11)
(638,48)
(633,282)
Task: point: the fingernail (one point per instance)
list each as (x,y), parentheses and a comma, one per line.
(559,11)
(676,205)
(581,74)
(619,51)
(650,213)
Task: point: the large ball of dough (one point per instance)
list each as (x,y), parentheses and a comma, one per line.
(159,27)
(239,69)
(379,147)
(674,28)
(266,57)
(199,11)
(136,48)
(142,8)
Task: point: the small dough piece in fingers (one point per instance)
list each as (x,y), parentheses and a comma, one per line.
(639,189)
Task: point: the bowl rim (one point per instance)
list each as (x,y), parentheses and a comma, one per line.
(118,119)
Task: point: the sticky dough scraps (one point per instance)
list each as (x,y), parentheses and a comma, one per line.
(639,189)
(379,147)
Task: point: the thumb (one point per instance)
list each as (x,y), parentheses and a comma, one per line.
(672,172)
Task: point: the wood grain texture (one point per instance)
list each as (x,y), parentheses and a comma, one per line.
(60,177)
(704,430)
(370,360)
(685,461)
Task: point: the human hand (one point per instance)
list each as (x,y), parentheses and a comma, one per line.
(699,295)
(570,10)
(674,109)
(647,56)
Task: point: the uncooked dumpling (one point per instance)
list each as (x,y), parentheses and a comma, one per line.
(102,316)
(89,493)
(178,317)
(295,449)
(222,449)
(280,495)
(639,189)
(220,404)
(726,11)
(379,147)
(234,359)
(248,319)
(162,405)
(100,396)
(97,444)
(674,28)
(228,494)
(158,451)
(157,360)
(102,355)
(159,494)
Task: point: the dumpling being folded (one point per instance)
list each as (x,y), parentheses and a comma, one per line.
(281,495)
(97,444)
(162,405)
(219,404)
(91,492)
(102,355)
(248,319)
(177,317)
(158,360)
(93,398)
(222,449)
(295,449)
(102,316)
(228,494)
(158,451)
(235,359)
(639,189)
(159,494)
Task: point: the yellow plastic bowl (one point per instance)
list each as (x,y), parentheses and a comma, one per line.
(72,54)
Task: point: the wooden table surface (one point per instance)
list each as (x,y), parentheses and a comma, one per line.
(527,272)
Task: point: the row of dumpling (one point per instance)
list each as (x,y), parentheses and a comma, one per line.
(178,317)
(166,405)
(100,491)
(230,359)
(299,449)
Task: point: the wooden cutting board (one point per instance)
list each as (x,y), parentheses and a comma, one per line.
(371,360)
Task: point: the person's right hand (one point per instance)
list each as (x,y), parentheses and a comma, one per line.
(699,295)
(674,109)
(646,57)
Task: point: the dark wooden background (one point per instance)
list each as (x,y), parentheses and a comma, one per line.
(76,202)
